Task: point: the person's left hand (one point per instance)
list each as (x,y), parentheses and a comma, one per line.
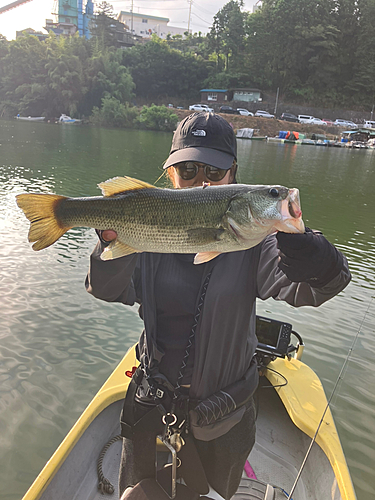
(308,257)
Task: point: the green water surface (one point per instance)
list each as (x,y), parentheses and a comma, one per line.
(58,344)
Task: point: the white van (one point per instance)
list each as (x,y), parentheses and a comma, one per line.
(305,118)
(369,124)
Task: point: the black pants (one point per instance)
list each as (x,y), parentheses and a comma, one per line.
(223,458)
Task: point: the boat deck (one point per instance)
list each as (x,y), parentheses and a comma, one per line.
(277,455)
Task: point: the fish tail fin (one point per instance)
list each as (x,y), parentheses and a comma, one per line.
(40,209)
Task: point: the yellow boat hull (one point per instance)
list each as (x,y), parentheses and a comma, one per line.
(302,398)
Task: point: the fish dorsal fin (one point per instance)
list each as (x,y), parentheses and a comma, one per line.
(119,185)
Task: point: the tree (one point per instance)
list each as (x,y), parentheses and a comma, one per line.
(227,32)
(107,78)
(104,27)
(23,86)
(259,46)
(158,118)
(297,42)
(158,70)
(114,113)
(66,76)
(362,81)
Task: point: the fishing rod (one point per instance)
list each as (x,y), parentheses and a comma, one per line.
(340,376)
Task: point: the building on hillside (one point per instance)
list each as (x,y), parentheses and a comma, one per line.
(124,38)
(214,95)
(144,25)
(245,95)
(64,28)
(72,16)
(29,31)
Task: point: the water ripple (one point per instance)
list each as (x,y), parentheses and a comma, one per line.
(58,344)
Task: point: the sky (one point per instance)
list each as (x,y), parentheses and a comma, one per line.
(34,13)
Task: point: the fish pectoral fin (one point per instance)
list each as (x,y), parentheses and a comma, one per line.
(202,257)
(205,235)
(119,185)
(115,250)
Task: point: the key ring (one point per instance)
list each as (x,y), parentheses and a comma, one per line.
(164,419)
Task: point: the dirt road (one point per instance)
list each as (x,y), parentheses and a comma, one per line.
(270,127)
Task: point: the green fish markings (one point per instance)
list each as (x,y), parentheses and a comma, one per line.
(207,220)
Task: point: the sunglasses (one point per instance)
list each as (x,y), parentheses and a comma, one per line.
(188,170)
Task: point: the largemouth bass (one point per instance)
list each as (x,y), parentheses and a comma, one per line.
(206,220)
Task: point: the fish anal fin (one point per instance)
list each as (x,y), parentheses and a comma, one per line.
(116,249)
(202,257)
(119,185)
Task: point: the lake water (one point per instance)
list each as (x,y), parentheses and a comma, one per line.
(58,344)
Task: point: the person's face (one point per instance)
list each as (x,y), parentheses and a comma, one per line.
(202,174)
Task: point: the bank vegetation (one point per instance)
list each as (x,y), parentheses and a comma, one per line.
(316,52)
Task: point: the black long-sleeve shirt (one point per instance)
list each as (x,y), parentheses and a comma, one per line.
(225,340)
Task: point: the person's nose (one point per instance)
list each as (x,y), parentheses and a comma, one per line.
(200,178)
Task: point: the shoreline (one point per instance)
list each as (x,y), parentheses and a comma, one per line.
(269,127)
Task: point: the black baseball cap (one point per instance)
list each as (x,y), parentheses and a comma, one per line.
(203,137)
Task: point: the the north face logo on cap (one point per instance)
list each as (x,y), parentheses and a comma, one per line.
(199,133)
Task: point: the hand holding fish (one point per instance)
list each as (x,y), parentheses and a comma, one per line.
(308,257)
(108,235)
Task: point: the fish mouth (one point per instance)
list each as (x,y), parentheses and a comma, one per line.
(294,205)
(291,214)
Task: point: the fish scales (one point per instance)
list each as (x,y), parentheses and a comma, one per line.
(158,219)
(207,220)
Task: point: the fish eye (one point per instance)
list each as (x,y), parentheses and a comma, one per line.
(274,192)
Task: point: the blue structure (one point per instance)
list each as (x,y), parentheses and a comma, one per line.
(89,13)
(76,13)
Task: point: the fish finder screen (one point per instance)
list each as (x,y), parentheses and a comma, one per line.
(267,332)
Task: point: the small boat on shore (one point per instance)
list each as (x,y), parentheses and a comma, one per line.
(291,403)
(249,133)
(31,118)
(275,139)
(308,142)
(67,119)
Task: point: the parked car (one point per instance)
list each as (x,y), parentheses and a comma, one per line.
(352,124)
(305,118)
(318,121)
(200,107)
(245,112)
(229,110)
(263,114)
(170,105)
(345,123)
(330,123)
(289,117)
(311,120)
(369,124)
